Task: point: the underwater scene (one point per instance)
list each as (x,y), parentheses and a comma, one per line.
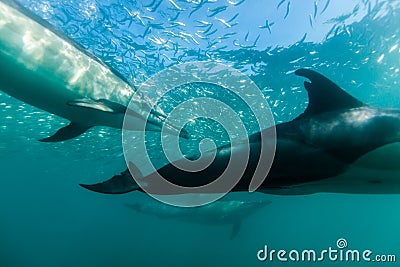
(100,98)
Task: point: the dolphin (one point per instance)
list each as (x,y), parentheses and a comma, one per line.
(221,212)
(41,66)
(337,145)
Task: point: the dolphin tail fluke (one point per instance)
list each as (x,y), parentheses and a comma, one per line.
(70,131)
(235,230)
(118,184)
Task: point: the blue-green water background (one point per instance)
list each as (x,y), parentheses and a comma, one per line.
(46,219)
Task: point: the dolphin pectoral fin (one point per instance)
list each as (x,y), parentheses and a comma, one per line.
(324,95)
(154,121)
(118,184)
(235,230)
(101,105)
(70,131)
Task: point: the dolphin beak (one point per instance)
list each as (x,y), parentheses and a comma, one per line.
(159,119)
(155,122)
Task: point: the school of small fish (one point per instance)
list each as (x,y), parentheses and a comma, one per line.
(141,38)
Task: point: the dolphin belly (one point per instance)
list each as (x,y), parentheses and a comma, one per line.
(382,158)
(355,181)
(377,172)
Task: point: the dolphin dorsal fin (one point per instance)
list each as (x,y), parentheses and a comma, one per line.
(324,95)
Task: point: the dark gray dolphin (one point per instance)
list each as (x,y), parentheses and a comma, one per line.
(221,212)
(328,148)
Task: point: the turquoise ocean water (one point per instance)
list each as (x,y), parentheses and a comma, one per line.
(46,219)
